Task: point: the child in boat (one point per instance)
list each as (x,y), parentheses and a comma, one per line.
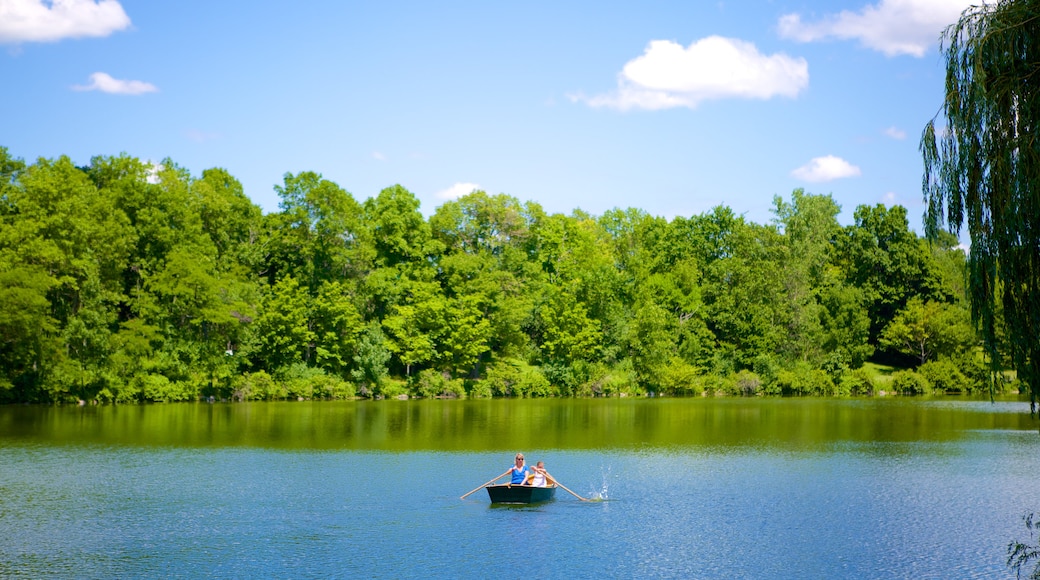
(537,477)
(519,471)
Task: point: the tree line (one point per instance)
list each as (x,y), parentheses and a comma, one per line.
(124,281)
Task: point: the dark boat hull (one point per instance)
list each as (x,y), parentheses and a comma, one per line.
(520,493)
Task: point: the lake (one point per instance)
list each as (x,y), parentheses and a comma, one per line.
(885,487)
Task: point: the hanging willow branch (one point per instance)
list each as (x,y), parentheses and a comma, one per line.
(984,168)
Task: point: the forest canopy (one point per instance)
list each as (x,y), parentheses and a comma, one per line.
(122,281)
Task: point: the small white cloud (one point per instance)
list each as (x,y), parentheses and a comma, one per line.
(54,20)
(152,175)
(378,156)
(458,190)
(896,133)
(668,75)
(825,168)
(889,198)
(100,81)
(892,27)
(201,136)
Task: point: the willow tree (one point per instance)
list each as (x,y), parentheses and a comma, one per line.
(984,169)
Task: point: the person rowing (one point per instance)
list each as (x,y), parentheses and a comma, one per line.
(519,471)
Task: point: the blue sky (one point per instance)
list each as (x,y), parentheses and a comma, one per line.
(670,107)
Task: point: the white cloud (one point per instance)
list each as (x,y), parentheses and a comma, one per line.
(825,168)
(896,133)
(378,156)
(54,20)
(152,175)
(200,136)
(893,27)
(100,81)
(458,190)
(668,75)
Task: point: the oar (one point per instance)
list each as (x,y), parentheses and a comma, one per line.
(488,483)
(557,482)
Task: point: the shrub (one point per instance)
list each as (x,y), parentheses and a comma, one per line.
(804,380)
(330,387)
(973,366)
(836,365)
(681,378)
(118,390)
(722,364)
(766,367)
(430,383)
(820,383)
(608,381)
(161,389)
(719,385)
(857,382)
(516,378)
(944,377)
(478,390)
(559,375)
(910,383)
(298,380)
(257,386)
(747,383)
(391,389)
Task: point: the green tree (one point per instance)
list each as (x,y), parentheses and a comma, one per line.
(282,331)
(335,324)
(744,294)
(846,325)
(230,219)
(400,232)
(810,227)
(478,223)
(927,329)
(370,360)
(203,313)
(487,271)
(319,235)
(651,340)
(55,221)
(466,333)
(881,256)
(414,325)
(985,171)
(568,334)
(28,333)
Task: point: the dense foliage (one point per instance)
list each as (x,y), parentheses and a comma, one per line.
(126,281)
(985,170)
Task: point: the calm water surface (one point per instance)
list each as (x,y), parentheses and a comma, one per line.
(683,488)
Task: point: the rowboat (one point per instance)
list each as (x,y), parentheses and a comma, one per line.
(520,493)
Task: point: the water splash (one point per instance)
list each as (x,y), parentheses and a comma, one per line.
(601,493)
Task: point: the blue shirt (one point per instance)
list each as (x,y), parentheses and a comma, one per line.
(519,475)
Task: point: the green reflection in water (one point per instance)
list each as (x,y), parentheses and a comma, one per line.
(505,425)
